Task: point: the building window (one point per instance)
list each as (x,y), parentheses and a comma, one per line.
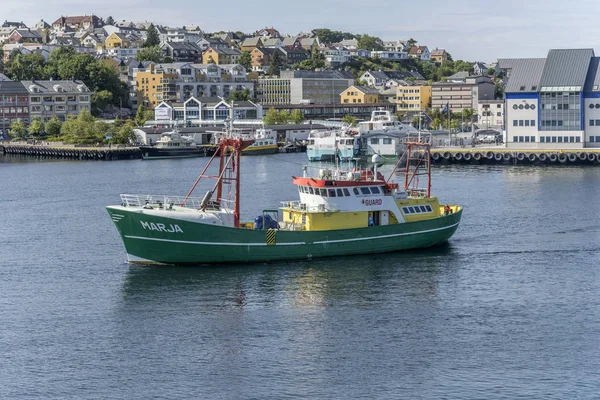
(577,139)
(542,139)
(374,140)
(526,122)
(514,139)
(387,141)
(521,139)
(533,122)
(515,122)
(533,139)
(553,139)
(560,139)
(527,139)
(520,122)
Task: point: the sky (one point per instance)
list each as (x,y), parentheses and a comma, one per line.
(472,30)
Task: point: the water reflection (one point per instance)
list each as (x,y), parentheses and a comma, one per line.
(354,281)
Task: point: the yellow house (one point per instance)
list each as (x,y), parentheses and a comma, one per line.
(360,95)
(155,86)
(120,41)
(221,56)
(413,97)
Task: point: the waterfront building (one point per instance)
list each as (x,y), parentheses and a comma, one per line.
(304,87)
(182,51)
(323,111)
(360,94)
(196,111)
(60,98)
(14,103)
(490,114)
(462,94)
(412,97)
(553,102)
(172,82)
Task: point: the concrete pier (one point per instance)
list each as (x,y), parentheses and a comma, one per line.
(512,156)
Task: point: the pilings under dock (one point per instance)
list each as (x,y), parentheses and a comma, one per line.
(73,153)
(519,157)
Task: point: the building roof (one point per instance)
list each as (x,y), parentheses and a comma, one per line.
(566,67)
(12,87)
(53,86)
(27,33)
(226,51)
(438,52)
(459,76)
(252,41)
(327,74)
(289,40)
(270,42)
(592,82)
(183,46)
(417,50)
(364,89)
(77,20)
(396,75)
(526,74)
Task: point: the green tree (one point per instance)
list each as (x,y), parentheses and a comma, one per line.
(271,117)
(283,117)
(101,100)
(367,42)
(75,67)
(36,128)
(245,60)
(499,89)
(24,67)
(411,42)
(297,117)
(275,66)
(244,95)
(53,126)
(125,133)
(349,119)
(141,115)
(109,21)
(83,129)
(152,53)
(152,38)
(18,130)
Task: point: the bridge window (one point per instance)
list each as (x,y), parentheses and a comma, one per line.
(375,190)
(310,190)
(323,192)
(365,190)
(346,192)
(356,192)
(332,193)
(340,193)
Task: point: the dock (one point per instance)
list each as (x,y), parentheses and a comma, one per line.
(514,156)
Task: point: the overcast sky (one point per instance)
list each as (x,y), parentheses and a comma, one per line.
(473,30)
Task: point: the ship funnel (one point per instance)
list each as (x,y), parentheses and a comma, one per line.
(304,169)
(376,160)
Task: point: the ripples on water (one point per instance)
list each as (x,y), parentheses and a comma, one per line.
(508,309)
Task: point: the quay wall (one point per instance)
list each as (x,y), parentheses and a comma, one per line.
(73,153)
(514,156)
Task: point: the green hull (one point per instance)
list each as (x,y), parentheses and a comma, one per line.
(152,239)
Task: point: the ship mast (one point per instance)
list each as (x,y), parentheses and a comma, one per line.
(418,165)
(229,151)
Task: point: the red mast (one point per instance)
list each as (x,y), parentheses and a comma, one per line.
(418,164)
(229,151)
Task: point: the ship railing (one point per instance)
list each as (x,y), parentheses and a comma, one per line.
(417,193)
(297,205)
(140,200)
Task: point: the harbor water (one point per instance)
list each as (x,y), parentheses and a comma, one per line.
(509,308)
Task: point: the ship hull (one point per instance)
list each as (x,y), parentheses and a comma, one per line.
(160,240)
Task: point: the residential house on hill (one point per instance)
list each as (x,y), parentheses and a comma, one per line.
(294,55)
(420,52)
(388,78)
(396,45)
(182,51)
(268,32)
(439,55)
(65,41)
(214,42)
(310,43)
(479,68)
(262,57)
(123,41)
(221,55)
(41,25)
(183,35)
(24,36)
(272,43)
(228,37)
(350,44)
(76,22)
(360,95)
(336,56)
(460,76)
(252,43)
(291,41)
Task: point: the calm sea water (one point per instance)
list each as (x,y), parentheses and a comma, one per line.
(509,309)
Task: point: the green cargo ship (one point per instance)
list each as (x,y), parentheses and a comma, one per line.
(338,213)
